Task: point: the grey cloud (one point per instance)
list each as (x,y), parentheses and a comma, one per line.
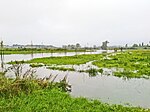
(60,22)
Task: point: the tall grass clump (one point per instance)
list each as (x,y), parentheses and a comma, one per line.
(27,82)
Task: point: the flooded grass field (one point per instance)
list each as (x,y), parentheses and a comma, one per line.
(93,76)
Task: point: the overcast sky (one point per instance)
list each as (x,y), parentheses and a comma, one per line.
(87,22)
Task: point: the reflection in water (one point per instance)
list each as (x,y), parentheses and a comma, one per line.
(51,52)
(32,55)
(65,53)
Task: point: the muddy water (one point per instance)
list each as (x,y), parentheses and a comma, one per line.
(108,89)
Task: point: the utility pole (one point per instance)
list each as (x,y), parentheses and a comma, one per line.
(1,47)
(31,49)
(2,55)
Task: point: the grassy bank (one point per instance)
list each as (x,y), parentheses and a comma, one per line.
(32,95)
(32,51)
(56,101)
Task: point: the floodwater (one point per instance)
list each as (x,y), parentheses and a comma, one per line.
(20,57)
(109,89)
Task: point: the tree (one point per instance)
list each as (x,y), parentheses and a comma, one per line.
(2,44)
(135,45)
(78,45)
(104,45)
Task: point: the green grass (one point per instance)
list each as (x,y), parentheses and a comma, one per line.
(36,65)
(66,60)
(31,51)
(46,100)
(60,68)
(39,95)
(136,64)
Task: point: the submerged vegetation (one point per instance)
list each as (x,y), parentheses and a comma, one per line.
(66,60)
(60,68)
(36,65)
(135,64)
(92,71)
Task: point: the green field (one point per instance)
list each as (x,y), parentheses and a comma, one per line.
(32,51)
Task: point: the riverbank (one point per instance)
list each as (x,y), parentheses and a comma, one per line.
(56,101)
(28,95)
(33,51)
